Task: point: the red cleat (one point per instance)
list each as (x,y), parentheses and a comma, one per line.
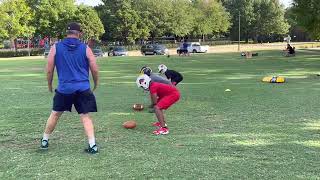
(161,131)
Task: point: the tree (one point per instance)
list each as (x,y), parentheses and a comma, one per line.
(210,17)
(155,17)
(269,19)
(259,18)
(15,19)
(296,31)
(3,23)
(246,9)
(121,20)
(308,15)
(52,16)
(128,19)
(90,22)
(181,18)
(108,20)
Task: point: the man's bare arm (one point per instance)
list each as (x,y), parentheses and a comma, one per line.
(93,67)
(50,67)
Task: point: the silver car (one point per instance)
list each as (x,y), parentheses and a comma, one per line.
(118,51)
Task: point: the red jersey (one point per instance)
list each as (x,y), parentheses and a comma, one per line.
(162,90)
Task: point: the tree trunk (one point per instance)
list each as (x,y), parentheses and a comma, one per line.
(15,44)
(255,39)
(152,37)
(247,37)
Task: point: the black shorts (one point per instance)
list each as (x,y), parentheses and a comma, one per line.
(84,102)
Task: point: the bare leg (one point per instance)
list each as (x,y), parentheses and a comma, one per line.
(52,122)
(88,126)
(160,116)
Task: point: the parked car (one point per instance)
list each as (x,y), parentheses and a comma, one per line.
(154,49)
(193,47)
(118,51)
(98,52)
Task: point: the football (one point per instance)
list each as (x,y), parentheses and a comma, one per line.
(129,124)
(138,107)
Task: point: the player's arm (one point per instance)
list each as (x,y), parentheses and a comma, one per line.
(154,99)
(168,74)
(168,77)
(50,67)
(93,67)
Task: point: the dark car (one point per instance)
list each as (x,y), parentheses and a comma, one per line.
(98,52)
(118,51)
(154,49)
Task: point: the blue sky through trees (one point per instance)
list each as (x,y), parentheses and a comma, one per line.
(286,3)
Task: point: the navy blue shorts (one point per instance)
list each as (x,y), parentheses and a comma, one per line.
(83,101)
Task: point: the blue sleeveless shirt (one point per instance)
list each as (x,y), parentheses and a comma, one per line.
(72,66)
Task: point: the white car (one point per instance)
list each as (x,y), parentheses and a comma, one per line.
(193,47)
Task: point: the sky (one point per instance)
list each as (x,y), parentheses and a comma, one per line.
(286,3)
(89,2)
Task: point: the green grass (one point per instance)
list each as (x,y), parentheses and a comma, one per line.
(256,131)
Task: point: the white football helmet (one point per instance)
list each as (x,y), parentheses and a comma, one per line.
(162,68)
(143,81)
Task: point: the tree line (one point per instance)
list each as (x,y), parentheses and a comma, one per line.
(31,18)
(130,21)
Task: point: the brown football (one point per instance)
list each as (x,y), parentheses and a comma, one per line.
(129,124)
(137,107)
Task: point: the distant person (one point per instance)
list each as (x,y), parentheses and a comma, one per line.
(288,39)
(185,48)
(72,60)
(290,51)
(174,76)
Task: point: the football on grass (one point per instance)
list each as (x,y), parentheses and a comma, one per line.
(138,107)
(129,124)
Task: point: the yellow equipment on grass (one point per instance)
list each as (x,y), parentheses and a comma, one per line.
(274,79)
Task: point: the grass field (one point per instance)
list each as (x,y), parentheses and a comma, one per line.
(256,131)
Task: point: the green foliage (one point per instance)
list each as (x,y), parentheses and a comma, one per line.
(155,17)
(15,18)
(210,17)
(291,17)
(3,24)
(296,31)
(52,16)
(269,18)
(308,16)
(90,22)
(128,20)
(181,18)
(246,10)
(258,18)
(121,19)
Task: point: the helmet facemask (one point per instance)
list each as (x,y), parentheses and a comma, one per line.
(162,68)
